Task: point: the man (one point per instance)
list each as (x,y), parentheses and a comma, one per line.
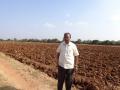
(67,55)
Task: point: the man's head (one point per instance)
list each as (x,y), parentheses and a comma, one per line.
(67,37)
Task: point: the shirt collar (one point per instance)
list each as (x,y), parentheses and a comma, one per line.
(67,44)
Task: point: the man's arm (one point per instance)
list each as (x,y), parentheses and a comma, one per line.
(76,54)
(58,54)
(76,62)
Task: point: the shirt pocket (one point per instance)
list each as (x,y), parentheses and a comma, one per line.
(70,51)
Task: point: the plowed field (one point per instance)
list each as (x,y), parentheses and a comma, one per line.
(98,66)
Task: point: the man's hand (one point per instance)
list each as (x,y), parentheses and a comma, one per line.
(75,70)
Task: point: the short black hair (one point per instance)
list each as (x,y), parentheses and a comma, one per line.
(67,33)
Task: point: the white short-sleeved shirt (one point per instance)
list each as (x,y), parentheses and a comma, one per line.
(67,54)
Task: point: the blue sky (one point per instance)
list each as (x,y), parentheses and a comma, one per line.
(84,19)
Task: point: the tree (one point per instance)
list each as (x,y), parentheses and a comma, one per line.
(87,42)
(78,41)
(1,39)
(95,42)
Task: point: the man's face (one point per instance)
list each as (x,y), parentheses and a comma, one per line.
(67,38)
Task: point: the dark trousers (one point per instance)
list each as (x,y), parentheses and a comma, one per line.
(65,75)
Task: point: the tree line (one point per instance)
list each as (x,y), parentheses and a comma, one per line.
(79,41)
(98,42)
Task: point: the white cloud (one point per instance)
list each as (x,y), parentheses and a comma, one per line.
(112,9)
(115,18)
(49,25)
(81,23)
(68,23)
(68,15)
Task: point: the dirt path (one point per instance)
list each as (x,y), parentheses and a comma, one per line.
(17,76)
(12,75)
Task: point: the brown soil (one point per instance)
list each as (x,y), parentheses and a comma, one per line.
(98,66)
(17,76)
